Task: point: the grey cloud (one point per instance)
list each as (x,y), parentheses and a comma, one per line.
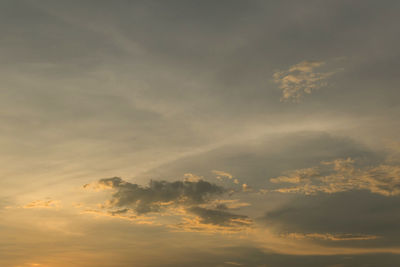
(355,212)
(121,211)
(196,203)
(150,198)
(220,217)
(255,257)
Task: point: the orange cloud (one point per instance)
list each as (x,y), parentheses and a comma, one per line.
(43,204)
(221,174)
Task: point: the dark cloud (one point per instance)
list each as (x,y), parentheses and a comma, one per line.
(219,217)
(255,257)
(151,198)
(197,202)
(355,212)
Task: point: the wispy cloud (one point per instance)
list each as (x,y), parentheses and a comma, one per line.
(212,221)
(43,204)
(220,217)
(329,236)
(125,214)
(301,79)
(233,263)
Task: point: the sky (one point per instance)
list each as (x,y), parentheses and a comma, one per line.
(199,133)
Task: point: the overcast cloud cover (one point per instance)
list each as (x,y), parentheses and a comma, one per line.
(199,133)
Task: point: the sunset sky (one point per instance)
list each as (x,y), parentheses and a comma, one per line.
(198,133)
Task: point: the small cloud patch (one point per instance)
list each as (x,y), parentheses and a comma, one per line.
(301,79)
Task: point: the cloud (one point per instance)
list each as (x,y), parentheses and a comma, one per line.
(227,204)
(43,204)
(151,198)
(204,221)
(221,174)
(252,161)
(300,79)
(253,256)
(329,236)
(125,214)
(194,201)
(355,212)
(190,177)
(220,217)
(233,263)
(245,187)
(296,176)
(341,175)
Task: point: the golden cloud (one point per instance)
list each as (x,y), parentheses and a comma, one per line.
(300,79)
(342,175)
